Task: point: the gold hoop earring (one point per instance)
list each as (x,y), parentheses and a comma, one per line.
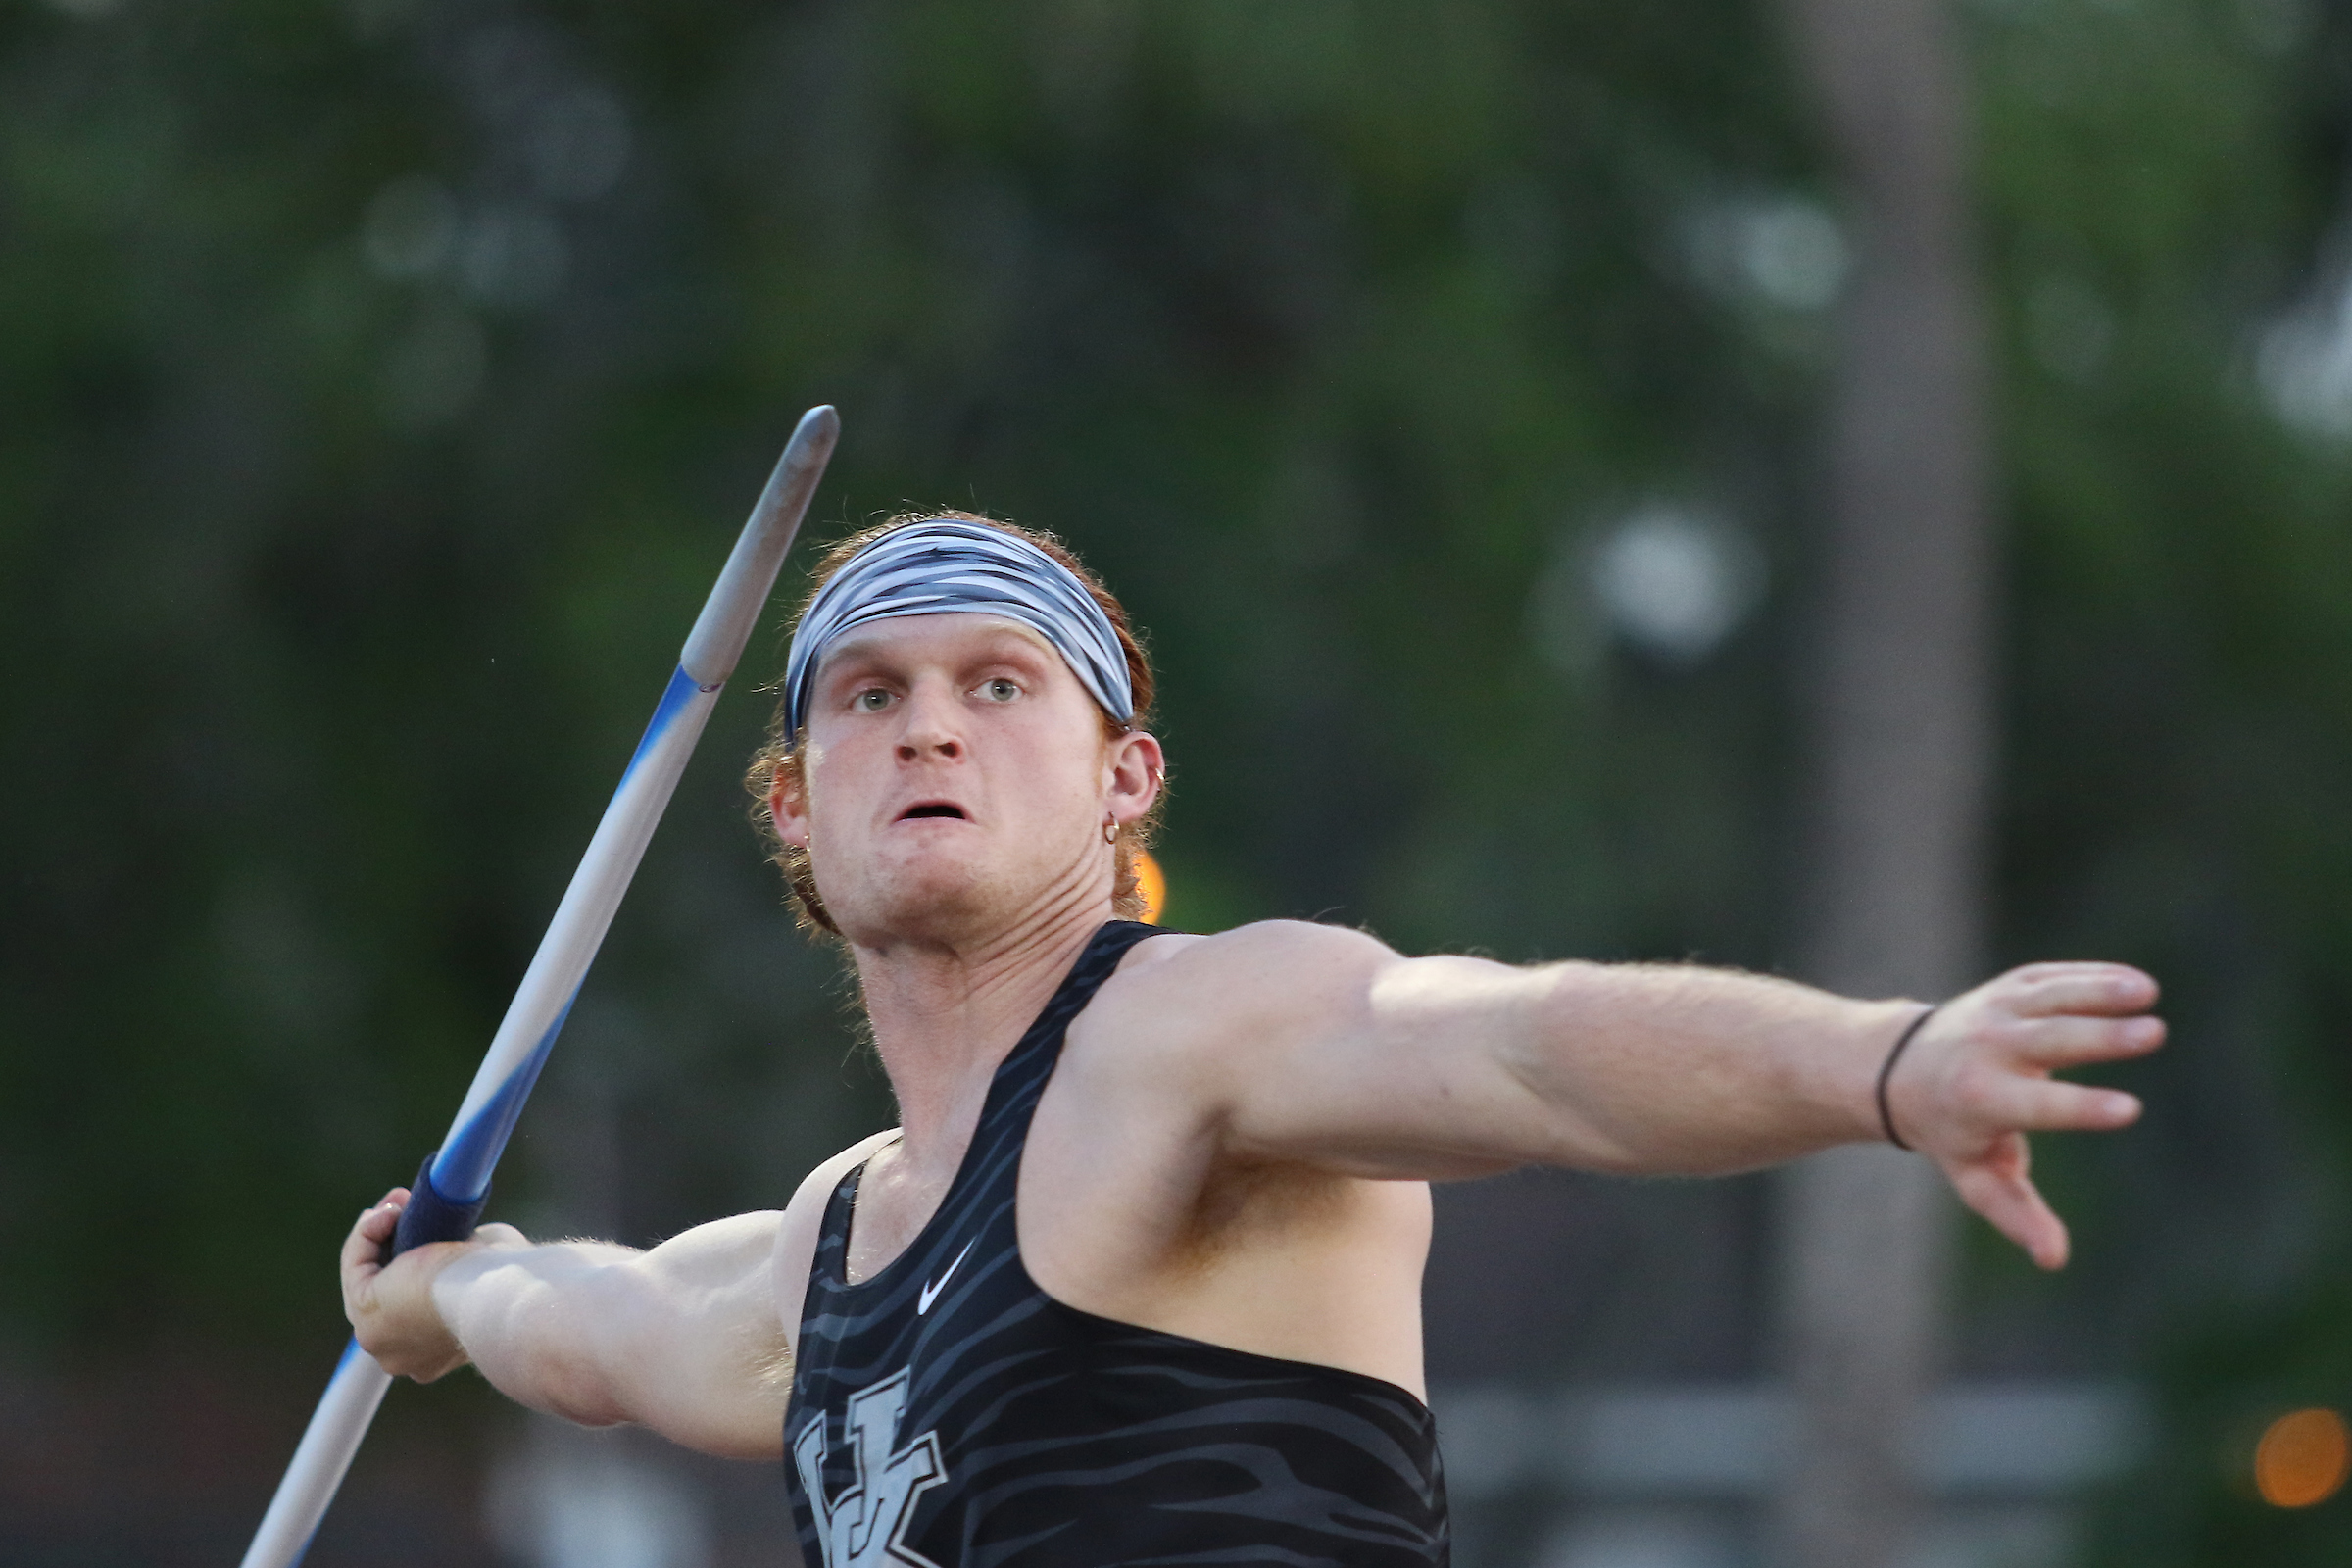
(1110,831)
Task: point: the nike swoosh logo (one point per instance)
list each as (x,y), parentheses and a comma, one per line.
(932,1287)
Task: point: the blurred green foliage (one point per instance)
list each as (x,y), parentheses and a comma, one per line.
(381,383)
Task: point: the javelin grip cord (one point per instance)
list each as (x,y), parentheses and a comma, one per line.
(431,1218)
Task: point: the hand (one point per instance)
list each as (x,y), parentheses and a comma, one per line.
(1977,1079)
(391,1306)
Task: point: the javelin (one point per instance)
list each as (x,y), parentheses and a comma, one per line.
(455,1181)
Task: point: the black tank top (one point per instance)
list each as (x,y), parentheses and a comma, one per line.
(947,1413)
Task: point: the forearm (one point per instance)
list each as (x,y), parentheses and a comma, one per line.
(537,1321)
(1679,1069)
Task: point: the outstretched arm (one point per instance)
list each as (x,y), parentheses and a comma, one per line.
(685,1338)
(1325,1046)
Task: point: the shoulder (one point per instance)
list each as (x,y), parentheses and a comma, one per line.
(1196,999)
(1270,963)
(805,1216)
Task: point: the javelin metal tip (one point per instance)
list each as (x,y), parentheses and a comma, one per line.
(725,625)
(814,437)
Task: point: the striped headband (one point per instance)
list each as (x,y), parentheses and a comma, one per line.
(941,566)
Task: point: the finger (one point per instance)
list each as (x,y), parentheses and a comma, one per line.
(2107,988)
(363,1253)
(373,1229)
(2014,1207)
(2018,1103)
(379,1222)
(2047,967)
(2072,1040)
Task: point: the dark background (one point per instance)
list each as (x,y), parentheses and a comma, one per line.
(381,383)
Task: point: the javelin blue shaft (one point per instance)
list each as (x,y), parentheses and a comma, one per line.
(460,1170)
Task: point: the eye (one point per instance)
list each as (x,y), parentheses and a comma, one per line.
(1000,689)
(872,699)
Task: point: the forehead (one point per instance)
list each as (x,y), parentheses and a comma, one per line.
(958,635)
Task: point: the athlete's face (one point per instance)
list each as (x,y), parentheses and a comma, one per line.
(956,782)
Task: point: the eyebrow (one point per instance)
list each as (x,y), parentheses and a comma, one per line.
(871,646)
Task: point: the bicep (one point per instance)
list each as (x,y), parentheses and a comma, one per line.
(1416,1069)
(712,1368)
(1323,1046)
(709,1365)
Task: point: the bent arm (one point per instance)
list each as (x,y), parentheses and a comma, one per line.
(684,1338)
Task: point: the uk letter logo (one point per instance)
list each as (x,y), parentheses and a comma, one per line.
(865,1526)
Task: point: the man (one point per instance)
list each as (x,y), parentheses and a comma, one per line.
(1138,1278)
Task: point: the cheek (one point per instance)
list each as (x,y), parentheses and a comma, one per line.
(823,781)
(1066,780)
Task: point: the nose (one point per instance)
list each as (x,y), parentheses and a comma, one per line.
(931,727)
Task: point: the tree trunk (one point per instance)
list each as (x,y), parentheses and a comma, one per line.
(1900,750)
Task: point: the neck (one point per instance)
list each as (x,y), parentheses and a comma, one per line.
(946,1014)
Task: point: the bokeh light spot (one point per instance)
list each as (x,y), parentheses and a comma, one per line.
(2302,1458)
(1154,883)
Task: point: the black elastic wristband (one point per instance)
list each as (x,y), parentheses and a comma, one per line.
(1887,1072)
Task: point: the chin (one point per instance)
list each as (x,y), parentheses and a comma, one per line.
(936,902)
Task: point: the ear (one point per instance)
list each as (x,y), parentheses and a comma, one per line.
(788,806)
(1132,769)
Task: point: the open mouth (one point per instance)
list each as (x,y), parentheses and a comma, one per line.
(934,809)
